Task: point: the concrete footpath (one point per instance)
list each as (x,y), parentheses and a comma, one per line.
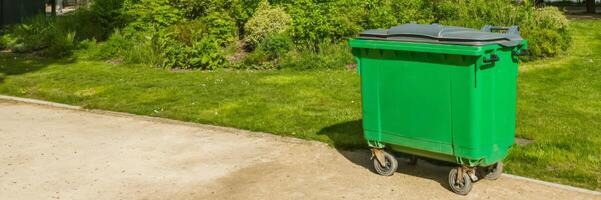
(47,152)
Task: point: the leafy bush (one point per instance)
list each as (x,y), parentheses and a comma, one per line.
(152,15)
(61,45)
(22,38)
(108,15)
(276,45)
(40,34)
(378,14)
(138,48)
(267,20)
(298,34)
(223,28)
(477,13)
(193,9)
(6,40)
(85,23)
(418,11)
(545,28)
(195,44)
(269,51)
(548,32)
(240,10)
(327,56)
(373,14)
(314,21)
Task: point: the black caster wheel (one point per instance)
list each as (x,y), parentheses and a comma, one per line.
(495,171)
(412,160)
(389,165)
(461,186)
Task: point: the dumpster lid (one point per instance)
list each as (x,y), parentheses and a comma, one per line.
(435,33)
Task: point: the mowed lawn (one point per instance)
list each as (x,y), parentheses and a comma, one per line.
(559,105)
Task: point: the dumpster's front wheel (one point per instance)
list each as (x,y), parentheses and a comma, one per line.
(460,183)
(495,171)
(388,166)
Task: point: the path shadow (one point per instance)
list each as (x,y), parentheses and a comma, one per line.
(12,64)
(348,140)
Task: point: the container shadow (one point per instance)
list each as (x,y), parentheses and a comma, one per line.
(424,169)
(347,138)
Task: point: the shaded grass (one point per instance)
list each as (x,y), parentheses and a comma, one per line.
(559,104)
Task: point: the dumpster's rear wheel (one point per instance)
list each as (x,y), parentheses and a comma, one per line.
(495,171)
(460,183)
(388,167)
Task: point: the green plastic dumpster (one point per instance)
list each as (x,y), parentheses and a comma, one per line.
(440,92)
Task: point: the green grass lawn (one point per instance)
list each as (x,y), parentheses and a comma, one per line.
(559,104)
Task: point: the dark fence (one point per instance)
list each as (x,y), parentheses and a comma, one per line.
(14,11)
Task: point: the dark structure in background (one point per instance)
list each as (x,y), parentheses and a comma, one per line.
(590,6)
(13,11)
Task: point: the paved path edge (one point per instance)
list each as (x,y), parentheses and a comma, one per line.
(288,139)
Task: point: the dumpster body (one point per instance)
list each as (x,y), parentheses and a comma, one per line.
(446,93)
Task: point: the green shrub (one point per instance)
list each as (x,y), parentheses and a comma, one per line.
(108,14)
(418,11)
(193,9)
(267,20)
(327,56)
(378,14)
(138,48)
(548,33)
(269,52)
(221,27)
(195,44)
(373,14)
(258,59)
(152,15)
(276,44)
(242,11)
(547,29)
(111,48)
(85,23)
(204,53)
(4,40)
(41,34)
(314,21)
(8,41)
(33,34)
(279,33)
(477,13)
(61,45)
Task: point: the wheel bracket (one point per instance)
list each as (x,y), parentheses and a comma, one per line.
(378,154)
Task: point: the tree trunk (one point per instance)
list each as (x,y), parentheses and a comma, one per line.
(53,7)
(590,6)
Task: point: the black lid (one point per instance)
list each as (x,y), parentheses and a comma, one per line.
(435,33)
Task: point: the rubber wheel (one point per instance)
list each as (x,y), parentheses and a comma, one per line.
(389,168)
(495,172)
(460,188)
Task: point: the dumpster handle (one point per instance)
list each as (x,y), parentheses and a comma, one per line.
(513,30)
(521,52)
(493,58)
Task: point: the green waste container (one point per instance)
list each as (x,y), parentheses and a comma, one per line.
(441,92)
